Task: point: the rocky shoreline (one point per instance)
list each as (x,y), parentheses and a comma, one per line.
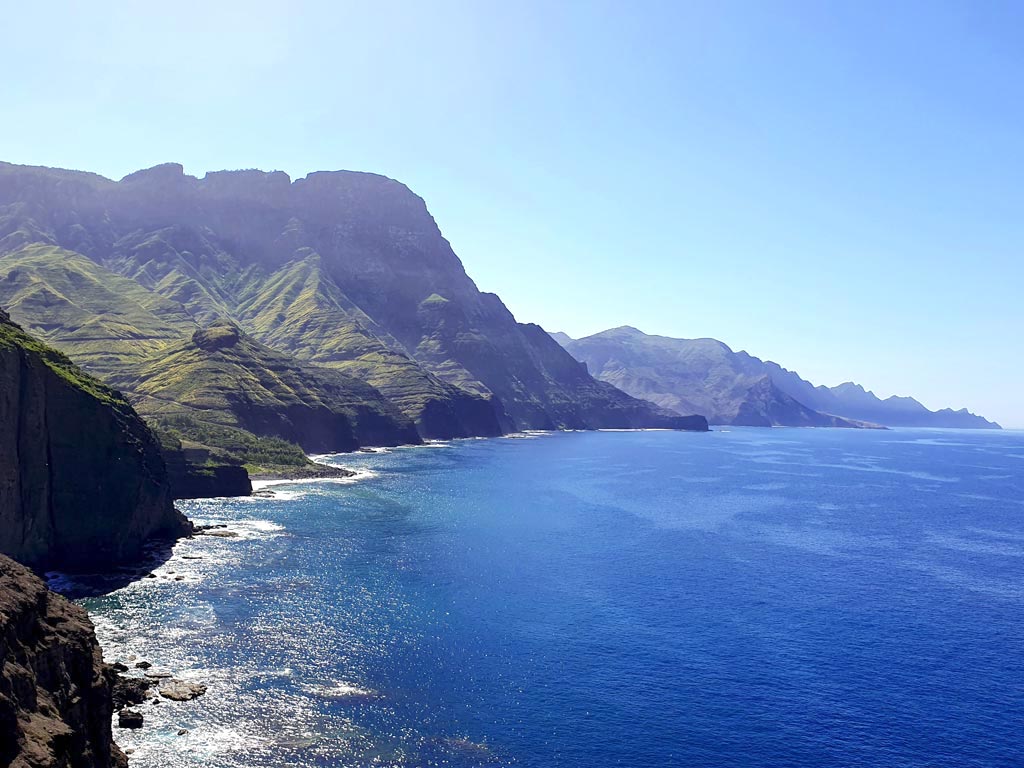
(131,691)
(312,471)
(56,692)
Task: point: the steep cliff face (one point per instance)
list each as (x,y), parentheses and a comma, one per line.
(82,484)
(344,269)
(55,691)
(854,402)
(705,376)
(695,375)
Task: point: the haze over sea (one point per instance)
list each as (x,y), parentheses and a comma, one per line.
(748,597)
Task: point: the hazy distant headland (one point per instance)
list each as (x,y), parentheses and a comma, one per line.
(706,376)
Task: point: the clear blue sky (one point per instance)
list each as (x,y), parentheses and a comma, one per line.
(835,186)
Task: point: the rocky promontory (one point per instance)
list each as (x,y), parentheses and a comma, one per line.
(55,690)
(82,482)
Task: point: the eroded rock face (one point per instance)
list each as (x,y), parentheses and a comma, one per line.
(82,483)
(55,690)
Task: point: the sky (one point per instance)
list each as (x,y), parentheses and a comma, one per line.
(838,187)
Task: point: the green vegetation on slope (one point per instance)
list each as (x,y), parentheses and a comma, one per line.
(300,309)
(104,320)
(225,378)
(13,337)
(216,444)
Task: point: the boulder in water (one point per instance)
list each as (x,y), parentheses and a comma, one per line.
(181,690)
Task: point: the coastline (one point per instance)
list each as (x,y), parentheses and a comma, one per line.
(210,578)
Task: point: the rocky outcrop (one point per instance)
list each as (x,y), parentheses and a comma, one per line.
(181,690)
(204,481)
(82,482)
(55,690)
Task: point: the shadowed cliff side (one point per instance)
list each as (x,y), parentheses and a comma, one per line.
(82,483)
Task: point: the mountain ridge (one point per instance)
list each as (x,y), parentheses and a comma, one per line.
(786,399)
(341,269)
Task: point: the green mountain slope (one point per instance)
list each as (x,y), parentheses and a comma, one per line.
(298,308)
(104,320)
(222,377)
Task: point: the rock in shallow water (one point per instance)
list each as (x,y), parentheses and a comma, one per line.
(220,533)
(180,690)
(130,690)
(129,718)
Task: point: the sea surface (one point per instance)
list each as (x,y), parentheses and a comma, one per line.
(748,597)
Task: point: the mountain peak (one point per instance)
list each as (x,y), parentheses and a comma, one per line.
(158,173)
(249,184)
(624,330)
(849,387)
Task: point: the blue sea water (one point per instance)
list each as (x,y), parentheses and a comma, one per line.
(741,598)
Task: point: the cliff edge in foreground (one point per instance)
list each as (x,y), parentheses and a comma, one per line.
(82,483)
(55,690)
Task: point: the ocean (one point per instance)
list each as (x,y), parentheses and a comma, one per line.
(747,597)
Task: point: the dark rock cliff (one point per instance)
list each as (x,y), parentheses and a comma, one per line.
(55,690)
(202,480)
(82,483)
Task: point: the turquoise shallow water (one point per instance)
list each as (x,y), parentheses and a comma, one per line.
(741,598)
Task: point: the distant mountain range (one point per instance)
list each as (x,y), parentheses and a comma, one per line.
(705,376)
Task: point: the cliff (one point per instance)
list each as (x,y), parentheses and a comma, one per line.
(854,402)
(706,376)
(701,375)
(82,482)
(55,690)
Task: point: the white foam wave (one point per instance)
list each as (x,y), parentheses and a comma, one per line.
(357,476)
(243,529)
(265,525)
(339,690)
(636,429)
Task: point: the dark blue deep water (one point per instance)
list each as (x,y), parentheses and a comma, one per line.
(740,598)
